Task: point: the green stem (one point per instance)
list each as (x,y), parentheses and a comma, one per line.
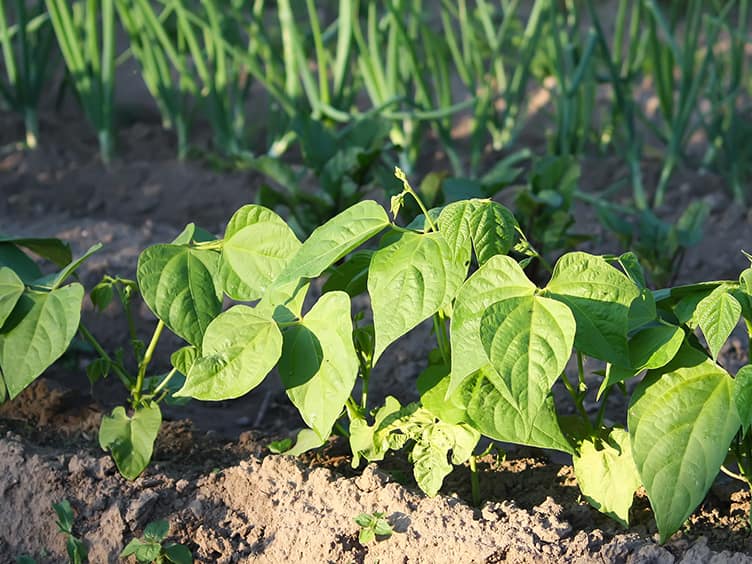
(439,328)
(344,432)
(121,373)
(602,409)
(474,481)
(163,383)
(409,190)
(733,474)
(364,390)
(147,359)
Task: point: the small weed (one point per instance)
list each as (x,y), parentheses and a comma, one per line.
(149,548)
(77,551)
(372,525)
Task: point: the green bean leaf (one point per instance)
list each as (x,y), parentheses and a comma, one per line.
(528,341)
(335,239)
(498,279)
(607,475)
(177,283)
(37,333)
(600,297)
(258,246)
(717,314)
(130,439)
(319,365)
(239,349)
(681,421)
(11,289)
(409,281)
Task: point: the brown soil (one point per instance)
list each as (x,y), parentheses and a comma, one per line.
(212,477)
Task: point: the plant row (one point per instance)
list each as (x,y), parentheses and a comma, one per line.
(502,342)
(411,68)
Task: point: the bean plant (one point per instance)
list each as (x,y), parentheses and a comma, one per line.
(503,343)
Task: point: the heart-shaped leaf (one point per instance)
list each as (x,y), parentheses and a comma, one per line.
(239,349)
(258,245)
(717,314)
(600,297)
(37,332)
(682,419)
(528,341)
(319,365)
(409,281)
(499,279)
(131,439)
(177,283)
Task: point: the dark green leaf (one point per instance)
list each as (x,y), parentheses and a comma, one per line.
(157,530)
(37,333)
(52,249)
(11,289)
(178,285)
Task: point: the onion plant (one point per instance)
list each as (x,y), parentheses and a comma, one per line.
(164,63)
(85,33)
(570,60)
(26,44)
(623,60)
(725,123)
(675,52)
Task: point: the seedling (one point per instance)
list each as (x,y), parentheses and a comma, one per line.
(77,551)
(150,547)
(372,526)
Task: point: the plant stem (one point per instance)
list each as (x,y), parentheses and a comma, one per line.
(439,328)
(147,359)
(474,480)
(124,378)
(409,190)
(164,382)
(732,474)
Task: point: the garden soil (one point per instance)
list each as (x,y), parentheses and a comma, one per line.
(226,497)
